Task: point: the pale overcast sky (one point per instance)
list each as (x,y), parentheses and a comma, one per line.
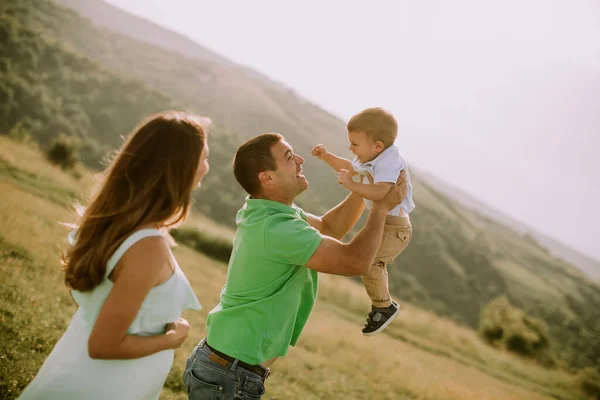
(498,98)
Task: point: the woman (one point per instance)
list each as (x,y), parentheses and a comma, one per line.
(122,274)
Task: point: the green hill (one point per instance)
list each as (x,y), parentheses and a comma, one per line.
(584,263)
(60,73)
(424,356)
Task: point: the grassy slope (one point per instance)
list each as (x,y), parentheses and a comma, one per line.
(457,261)
(424,356)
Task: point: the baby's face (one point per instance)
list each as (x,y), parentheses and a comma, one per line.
(364,147)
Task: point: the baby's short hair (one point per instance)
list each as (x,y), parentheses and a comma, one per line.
(377,123)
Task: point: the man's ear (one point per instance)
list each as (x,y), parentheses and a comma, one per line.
(379,146)
(265,177)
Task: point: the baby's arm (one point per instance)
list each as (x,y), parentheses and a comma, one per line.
(335,162)
(384,175)
(374,192)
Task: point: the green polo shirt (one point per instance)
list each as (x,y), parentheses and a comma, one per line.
(269,292)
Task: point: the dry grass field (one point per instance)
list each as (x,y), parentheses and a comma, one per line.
(421,356)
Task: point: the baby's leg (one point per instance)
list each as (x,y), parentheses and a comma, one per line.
(376,285)
(396,236)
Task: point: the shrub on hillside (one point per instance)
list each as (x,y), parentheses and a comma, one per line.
(20,133)
(63,151)
(589,380)
(504,325)
(213,246)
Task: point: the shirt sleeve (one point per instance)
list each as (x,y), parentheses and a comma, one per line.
(388,171)
(290,240)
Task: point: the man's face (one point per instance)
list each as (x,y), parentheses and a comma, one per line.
(288,176)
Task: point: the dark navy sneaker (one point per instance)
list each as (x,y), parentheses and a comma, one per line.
(380,318)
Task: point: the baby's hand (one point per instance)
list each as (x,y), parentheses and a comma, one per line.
(319,151)
(344,177)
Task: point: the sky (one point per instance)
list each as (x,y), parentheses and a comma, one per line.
(498,98)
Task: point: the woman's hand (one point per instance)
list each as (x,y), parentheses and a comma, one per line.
(177,332)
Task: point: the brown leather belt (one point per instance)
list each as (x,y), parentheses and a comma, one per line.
(257,369)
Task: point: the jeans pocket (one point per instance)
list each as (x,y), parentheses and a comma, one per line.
(252,387)
(199,389)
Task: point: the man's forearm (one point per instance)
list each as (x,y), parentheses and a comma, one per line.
(337,163)
(338,221)
(365,244)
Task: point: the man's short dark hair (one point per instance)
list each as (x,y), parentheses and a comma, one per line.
(252,158)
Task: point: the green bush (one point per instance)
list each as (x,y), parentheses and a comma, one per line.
(492,333)
(505,325)
(63,151)
(213,246)
(20,133)
(589,379)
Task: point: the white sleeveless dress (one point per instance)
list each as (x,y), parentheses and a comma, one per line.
(69,373)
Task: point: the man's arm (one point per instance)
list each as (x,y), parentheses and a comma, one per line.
(338,221)
(356,257)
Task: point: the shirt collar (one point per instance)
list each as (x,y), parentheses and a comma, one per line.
(252,203)
(374,161)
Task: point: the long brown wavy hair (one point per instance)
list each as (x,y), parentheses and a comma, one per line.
(149,182)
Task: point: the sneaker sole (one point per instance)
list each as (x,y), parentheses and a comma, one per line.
(385,324)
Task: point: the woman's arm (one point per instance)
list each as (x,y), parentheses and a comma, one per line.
(138,271)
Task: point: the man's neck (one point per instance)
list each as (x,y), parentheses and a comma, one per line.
(274,197)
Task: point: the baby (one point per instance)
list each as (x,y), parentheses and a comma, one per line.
(377,165)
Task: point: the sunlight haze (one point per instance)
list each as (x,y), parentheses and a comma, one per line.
(499,99)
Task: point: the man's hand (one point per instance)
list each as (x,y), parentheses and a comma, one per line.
(396,194)
(345,177)
(319,151)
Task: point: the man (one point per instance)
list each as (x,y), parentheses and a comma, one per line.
(272,278)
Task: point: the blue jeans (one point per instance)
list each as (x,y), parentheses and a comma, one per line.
(208,380)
